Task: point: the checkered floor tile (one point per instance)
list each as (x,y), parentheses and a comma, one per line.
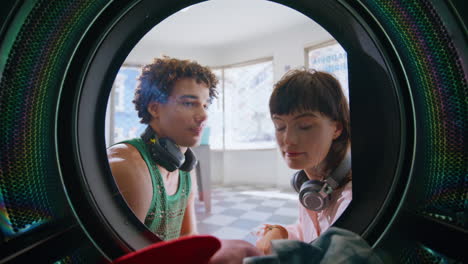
(238,211)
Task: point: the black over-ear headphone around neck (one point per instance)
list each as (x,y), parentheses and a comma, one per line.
(165,152)
(314,194)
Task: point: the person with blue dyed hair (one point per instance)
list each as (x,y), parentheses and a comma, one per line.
(152,172)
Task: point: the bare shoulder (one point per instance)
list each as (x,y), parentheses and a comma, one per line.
(126,163)
(122,152)
(132,177)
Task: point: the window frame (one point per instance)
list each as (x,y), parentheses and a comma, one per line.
(324,44)
(111,104)
(308,48)
(222,82)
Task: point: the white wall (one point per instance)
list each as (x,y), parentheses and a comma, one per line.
(144,52)
(287,49)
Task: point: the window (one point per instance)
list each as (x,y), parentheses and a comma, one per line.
(241,117)
(124,122)
(330,57)
(214,129)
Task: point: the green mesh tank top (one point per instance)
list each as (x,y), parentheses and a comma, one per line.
(166,212)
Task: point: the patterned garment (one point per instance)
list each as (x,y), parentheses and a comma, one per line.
(166,212)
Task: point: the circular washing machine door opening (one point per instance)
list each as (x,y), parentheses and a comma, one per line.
(381,103)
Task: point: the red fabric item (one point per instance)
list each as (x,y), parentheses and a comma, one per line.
(192,249)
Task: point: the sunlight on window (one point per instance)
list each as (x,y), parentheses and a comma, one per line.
(330,58)
(125,121)
(247,119)
(239,118)
(216,116)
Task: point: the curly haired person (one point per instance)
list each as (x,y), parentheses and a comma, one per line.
(172,98)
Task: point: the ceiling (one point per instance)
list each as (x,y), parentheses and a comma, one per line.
(220,22)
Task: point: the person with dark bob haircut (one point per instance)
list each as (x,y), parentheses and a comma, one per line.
(311,118)
(152,172)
